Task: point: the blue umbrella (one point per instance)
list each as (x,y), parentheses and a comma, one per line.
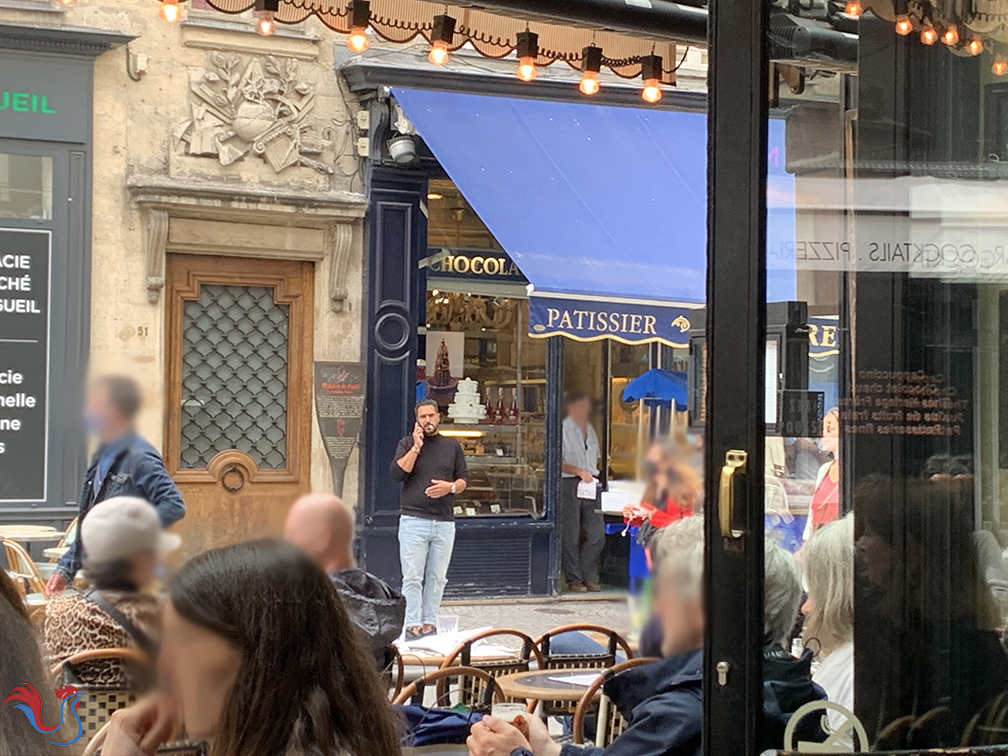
(657,387)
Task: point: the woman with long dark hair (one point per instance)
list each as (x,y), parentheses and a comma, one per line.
(260,657)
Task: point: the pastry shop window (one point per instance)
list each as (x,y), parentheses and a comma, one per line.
(488,378)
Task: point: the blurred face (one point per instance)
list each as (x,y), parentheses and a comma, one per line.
(428,417)
(199,669)
(681,619)
(654,466)
(307,535)
(144,568)
(578,411)
(99,414)
(830,433)
(876,557)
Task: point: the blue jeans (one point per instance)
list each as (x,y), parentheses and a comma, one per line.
(425,550)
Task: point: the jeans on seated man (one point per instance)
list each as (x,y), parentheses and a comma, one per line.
(322,526)
(661,701)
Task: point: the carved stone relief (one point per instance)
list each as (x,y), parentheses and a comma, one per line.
(253,107)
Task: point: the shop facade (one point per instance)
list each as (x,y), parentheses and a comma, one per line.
(206,241)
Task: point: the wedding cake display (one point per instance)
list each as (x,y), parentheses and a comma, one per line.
(467,408)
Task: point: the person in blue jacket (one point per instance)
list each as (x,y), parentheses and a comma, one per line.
(123,465)
(662,701)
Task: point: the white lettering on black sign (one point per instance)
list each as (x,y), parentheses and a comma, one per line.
(24,363)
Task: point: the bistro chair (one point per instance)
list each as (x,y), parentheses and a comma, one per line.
(603,659)
(471,688)
(610,723)
(395,670)
(99,702)
(23,569)
(497,667)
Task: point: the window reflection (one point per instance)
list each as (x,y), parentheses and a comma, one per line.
(26,189)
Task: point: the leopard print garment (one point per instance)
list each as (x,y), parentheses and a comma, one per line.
(74,624)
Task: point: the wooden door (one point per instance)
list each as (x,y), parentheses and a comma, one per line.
(239,340)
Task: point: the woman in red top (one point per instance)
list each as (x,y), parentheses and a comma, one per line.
(672,490)
(825,506)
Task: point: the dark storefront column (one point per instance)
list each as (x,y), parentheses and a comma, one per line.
(397,235)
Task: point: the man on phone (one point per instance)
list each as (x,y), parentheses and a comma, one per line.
(432,469)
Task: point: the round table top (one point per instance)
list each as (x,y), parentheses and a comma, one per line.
(538,684)
(55,552)
(27,533)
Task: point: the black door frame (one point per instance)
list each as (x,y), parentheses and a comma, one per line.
(738,110)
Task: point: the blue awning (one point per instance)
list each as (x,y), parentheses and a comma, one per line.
(627,320)
(590,201)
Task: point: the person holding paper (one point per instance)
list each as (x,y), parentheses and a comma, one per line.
(579,506)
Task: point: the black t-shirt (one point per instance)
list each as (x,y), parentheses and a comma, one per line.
(440,458)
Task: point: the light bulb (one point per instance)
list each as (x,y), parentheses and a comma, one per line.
(904,26)
(853,8)
(68,2)
(928,35)
(975,46)
(170,11)
(950,36)
(438,54)
(527,69)
(358,41)
(589,83)
(265,24)
(1000,66)
(652,91)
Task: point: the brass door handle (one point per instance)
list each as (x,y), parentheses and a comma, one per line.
(735,463)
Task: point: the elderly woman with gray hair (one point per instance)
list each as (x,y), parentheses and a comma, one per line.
(123,544)
(662,700)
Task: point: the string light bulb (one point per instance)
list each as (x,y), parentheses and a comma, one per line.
(591,66)
(170,11)
(651,73)
(974,46)
(1000,66)
(67,2)
(904,25)
(442,36)
(360,17)
(928,35)
(265,17)
(950,36)
(528,51)
(853,8)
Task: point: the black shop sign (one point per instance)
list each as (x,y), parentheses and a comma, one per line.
(25,258)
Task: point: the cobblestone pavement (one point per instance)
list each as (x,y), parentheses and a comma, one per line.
(536,616)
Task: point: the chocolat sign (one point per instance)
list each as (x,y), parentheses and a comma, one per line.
(629,322)
(339,405)
(24,363)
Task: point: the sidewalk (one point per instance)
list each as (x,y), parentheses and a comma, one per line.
(537,615)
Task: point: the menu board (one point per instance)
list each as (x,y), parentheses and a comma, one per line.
(339,405)
(24,363)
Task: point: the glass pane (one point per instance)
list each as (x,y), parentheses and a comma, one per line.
(234,376)
(26,186)
(885,466)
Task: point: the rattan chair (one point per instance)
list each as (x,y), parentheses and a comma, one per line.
(602,660)
(610,723)
(395,671)
(471,688)
(21,567)
(97,702)
(522,662)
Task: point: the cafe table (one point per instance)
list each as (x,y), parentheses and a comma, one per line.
(55,552)
(567,685)
(30,533)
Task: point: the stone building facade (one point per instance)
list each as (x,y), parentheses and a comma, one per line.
(225,244)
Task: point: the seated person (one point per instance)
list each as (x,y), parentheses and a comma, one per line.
(322,526)
(21,666)
(661,701)
(123,544)
(259,659)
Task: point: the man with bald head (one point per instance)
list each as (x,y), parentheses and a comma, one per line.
(323,527)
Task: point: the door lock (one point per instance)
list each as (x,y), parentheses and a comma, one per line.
(722,672)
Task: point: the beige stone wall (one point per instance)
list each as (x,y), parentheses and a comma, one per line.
(139,131)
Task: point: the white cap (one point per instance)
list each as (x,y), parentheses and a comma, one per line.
(123,526)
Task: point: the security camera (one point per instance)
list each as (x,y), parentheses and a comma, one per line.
(402,148)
